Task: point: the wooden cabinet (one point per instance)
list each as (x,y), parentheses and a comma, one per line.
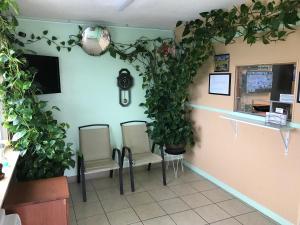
(40,202)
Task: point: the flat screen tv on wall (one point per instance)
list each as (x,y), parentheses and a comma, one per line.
(47,77)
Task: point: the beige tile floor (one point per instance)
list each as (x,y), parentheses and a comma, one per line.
(187,200)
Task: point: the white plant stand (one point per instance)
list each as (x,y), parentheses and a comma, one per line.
(177,161)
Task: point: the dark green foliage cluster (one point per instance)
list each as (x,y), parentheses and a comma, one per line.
(259,21)
(34,131)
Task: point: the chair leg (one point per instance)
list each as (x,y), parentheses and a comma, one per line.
(121,180)
(131,174)
(163,165)
(149,167)
(182,168)
(111,173)
(83,182)
(78,168)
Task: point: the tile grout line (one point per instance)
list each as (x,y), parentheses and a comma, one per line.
(106,216)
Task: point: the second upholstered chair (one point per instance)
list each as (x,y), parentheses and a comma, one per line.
(136,147)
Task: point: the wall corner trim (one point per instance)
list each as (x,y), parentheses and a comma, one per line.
(269,213)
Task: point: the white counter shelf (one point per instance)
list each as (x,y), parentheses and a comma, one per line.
(283,130)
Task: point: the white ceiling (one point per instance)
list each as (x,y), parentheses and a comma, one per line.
(161,14)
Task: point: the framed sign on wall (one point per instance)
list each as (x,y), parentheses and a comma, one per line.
(222,63)
(219,83)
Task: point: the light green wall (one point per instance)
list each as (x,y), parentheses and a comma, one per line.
(88,84)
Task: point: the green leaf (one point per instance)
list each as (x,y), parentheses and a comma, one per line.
(55,108)
(3,59)
(18,135)
(26,85)
(257,5)
(63,43)
(178,23)
(22,34)
(32,36)
(244,9)
(53,38)
(71,41)
(281,34)
(112,53)
(15,22)
(49,42)
(80,28)
(58,48)
(45,32)
(186,30)
(265,40)
(204,14)
(270,6)
(69,49)
(21,44)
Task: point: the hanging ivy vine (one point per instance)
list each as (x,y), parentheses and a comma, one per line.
(167,69)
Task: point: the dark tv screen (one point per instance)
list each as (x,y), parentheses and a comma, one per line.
(47,77)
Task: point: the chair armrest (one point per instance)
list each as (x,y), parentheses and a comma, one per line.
(162,152)
(153,147)
(119,155)
(124,149)
(80,157)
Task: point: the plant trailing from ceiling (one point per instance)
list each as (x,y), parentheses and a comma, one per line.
(168,68)
(35,133)
(51,40)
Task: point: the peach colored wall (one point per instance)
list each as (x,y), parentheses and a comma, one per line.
(253,163)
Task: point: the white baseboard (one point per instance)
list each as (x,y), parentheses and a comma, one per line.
(269,213)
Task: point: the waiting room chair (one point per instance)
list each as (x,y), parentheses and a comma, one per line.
(97,154)
(136,147)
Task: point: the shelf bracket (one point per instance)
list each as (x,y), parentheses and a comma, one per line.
(285,135)
(235,127)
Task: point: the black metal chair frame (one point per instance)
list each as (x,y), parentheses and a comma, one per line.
(81,166)
(126,148)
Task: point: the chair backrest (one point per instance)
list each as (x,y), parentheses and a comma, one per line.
(95,142)
(135,136)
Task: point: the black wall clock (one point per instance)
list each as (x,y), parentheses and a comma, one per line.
(125,83)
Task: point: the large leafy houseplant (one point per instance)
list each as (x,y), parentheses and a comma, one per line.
(34,132)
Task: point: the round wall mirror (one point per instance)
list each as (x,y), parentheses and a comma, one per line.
(95,40)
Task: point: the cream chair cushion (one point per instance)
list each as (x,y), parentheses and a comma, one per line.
(136,138)
(145,158)
(94,143)
(100,165)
